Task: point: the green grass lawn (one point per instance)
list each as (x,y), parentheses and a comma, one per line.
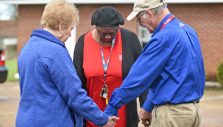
(11,64)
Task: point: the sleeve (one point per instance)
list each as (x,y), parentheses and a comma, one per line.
(78,60)
(68,84)
(143,72)
(138,51)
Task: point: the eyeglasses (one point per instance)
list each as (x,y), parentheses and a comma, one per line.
(107,30)
(139,16)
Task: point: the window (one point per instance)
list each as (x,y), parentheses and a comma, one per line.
(8,11)
(70,43)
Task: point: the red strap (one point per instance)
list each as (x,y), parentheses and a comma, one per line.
(167,21)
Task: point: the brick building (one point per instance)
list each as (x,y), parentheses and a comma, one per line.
(205,16)
(8,28)
(8,37)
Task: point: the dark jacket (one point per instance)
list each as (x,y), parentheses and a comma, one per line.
(129,41)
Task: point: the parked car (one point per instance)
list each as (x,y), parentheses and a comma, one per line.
(3,68)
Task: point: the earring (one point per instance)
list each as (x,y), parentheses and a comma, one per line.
(60,35)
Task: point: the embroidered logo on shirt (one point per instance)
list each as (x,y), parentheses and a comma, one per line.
(181,24)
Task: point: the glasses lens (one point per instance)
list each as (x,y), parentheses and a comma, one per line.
(139,16)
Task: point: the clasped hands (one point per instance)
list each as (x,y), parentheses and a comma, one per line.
(111,121)
(144,116)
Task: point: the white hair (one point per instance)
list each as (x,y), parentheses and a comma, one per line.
(159,9)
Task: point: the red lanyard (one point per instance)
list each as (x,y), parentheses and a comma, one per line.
(167,21)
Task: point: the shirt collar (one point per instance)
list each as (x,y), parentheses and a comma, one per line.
(161,23)
(47,35)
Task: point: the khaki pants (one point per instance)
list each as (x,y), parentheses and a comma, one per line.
(181,115)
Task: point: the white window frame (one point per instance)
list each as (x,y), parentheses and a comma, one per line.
(71,41)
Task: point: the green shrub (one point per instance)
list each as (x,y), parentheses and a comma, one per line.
(11,64)
(220,74)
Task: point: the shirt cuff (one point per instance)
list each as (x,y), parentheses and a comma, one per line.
(111,110)
(148,106)
(105,122)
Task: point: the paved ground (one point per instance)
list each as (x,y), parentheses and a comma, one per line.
(211,106)
(9,98)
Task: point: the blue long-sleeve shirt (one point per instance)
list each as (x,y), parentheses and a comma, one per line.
(51,93)
(170,66)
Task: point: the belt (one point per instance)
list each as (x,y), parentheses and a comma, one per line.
(194,101)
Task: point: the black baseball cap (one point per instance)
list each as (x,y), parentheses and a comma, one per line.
(107,16)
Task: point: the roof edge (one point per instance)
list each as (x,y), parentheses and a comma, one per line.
(107,1)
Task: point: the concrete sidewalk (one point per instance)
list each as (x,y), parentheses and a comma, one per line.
(212,84)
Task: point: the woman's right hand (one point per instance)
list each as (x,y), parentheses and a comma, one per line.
(111,121)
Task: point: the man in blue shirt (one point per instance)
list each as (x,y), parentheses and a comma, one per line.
(170,66)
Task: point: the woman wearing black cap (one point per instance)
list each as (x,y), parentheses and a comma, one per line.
(103,58)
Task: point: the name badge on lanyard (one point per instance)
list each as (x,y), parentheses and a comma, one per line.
(104,89)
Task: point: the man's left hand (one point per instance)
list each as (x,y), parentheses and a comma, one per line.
(145,117)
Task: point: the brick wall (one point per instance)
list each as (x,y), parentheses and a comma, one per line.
(8,28)
(206,19)
(28,19)
(86,12)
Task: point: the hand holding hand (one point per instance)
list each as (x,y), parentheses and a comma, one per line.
(145,117)
(111,121)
